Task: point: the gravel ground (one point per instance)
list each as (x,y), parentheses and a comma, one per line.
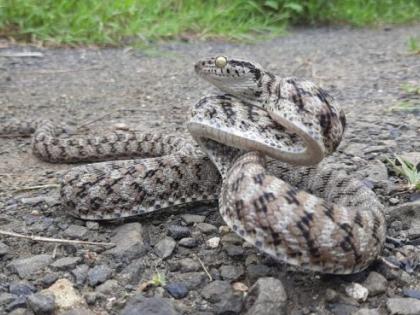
(208,270)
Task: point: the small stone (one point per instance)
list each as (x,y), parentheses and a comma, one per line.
(357,292)
(6,298)
(177,290)
(232,238)
(27,267)
(412,293)
(129,244)
(79,311)
(375,283)
(231,272)
(206,228)
(66,297)
(367,311)
(99,274)
(403,306)
(165,247)
(91,225)
(177,231)
(393,201)
(188,265)
(65,263)
(224,298)
(76,231)
(257,271)
(233,250)
(193,218)
(192,280)
(21,288)
(188,242)
(239,286)
(224,229)
(4,249)
(213,242)
(140,305)
(121,126)
(18,302)
(331,295)
(80,273)
(41,304)
(266,297)
(49,279)
(109,287)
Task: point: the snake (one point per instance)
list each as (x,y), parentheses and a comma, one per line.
(263,148)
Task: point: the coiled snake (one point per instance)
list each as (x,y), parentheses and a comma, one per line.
(319,218)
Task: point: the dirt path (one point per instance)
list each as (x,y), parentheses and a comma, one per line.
(368,71)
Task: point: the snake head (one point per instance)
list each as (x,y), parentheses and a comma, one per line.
(238,77)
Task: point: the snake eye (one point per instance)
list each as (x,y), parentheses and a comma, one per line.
(220,62)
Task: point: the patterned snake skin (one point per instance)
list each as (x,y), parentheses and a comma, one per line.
(319,217)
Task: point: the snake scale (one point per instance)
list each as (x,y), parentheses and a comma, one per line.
(260,149)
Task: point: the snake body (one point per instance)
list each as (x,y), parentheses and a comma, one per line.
(253,150)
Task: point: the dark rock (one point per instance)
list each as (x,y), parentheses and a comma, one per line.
(266,297)
(188,242)
(27,267)
(177,290)
(233,250)
(129,244)
(165,247)
(109,287)
(375,283)
(80,273)
(231,272)
(224,298)
(188,265)
(99,274)
(257,271)
(76,231)
(342,309)
(177,231)
(19,302)
(65,263)
(133,273)
(41,304)
(366,311)
(192,280)
(49,279)
(207,228)
(412,293)
(21,288)
(140,305)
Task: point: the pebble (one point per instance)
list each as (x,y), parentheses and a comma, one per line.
(80,273)
(49,279)
(231,272)
(357,292)
(109,287)
(188,265)
(375,283)
(368,311)
(213,242)
(206,228)
(165,247)
(21,288)
(178,231)
(224,298)
(257,271)
(232,238)
(188,242)
(266,297)
(99,274)
(190,219)
(412,293)
(192,280)
(76,232)
(233,250)
(4,249)
(19,302)
(91,225)
(177,290)
(140,305)
(41,304)
(129,244)
(27,267)
(6,298)
(66,297)
(65,263)
(403,306)
(393,201)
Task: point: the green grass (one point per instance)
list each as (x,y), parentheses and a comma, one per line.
(114,22)
(414,45)
(407,170)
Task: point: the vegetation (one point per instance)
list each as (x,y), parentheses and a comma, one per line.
(414,45)
(109,22)
(407,170)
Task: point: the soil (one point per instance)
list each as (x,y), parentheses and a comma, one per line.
(367,70)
